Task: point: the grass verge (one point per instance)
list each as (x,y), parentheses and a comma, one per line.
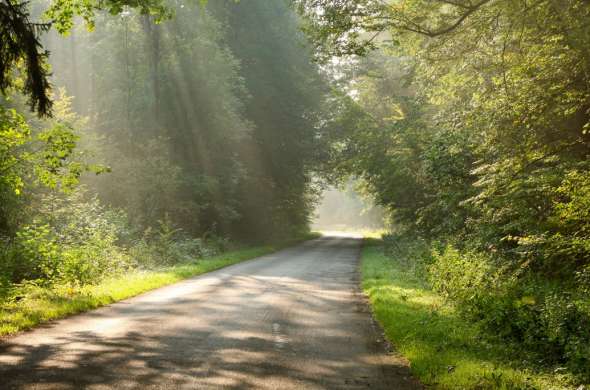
(40,305)
(444,351)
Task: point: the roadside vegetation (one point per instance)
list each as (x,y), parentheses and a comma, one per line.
(445,349)
(28,304)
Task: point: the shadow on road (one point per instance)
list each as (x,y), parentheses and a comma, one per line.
(294,319)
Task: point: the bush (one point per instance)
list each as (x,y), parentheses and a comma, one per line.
(72,241)
(567,325)
(466,278)
(75,241)
(91,262)
(543,317)
(413,253)
(153,253)
(169,246)
(32,255)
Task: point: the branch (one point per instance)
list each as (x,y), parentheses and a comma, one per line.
(20,40)
(434,33)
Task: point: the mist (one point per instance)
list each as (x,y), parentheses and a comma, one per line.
(204,119)
(151,136)
(345,209)
(143,142)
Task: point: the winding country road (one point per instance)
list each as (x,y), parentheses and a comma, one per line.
(294,319)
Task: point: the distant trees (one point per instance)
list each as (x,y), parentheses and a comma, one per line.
(167,109)
(208,118)
(228,93)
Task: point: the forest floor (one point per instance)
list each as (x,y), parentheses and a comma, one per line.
(444,350)
(294,319)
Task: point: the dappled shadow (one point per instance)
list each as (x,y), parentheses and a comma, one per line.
(291,320)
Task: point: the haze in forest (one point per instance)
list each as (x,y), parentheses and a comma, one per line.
(148,135)
(343,209)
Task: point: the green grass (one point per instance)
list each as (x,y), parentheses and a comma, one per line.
(40,305)
(444,351)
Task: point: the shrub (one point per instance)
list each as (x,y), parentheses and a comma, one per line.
(33,255)
(92,261)
(169,246)
(467,278)
(567,324)
(72,240)
(413,253)
(542,316)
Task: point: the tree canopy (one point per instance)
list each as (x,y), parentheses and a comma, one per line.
(468,120)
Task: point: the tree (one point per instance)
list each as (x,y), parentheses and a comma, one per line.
(485,148)
(286,95)
(21,48)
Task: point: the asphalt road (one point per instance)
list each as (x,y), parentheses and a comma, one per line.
(291,320)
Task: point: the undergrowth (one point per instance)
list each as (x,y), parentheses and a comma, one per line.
(444,349)
(31,304)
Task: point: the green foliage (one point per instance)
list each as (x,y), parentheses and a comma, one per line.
(285,104)
(463,277)
(43,154)
(61,13)
(152,191)
(470,124)
(412,253)
(199,118)
(27,305)
(35,255)
(549,319)
(23,62)
(71,240)
(445,350)
(167,245)
(14,133)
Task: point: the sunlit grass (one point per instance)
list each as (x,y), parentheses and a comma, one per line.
(43,304)
(354,232)
(444,351)
(373,233)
